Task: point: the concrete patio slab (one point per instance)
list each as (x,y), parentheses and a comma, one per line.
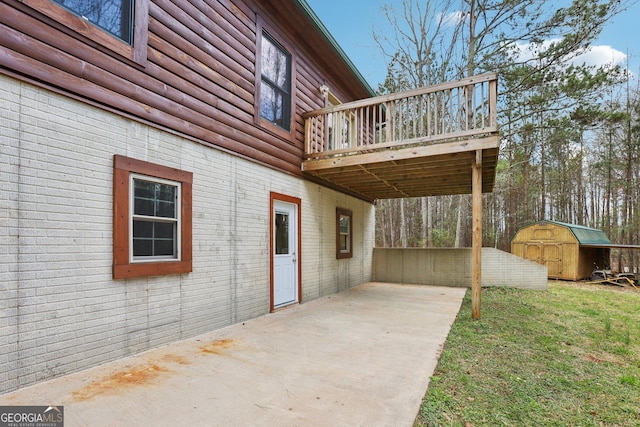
(360,357)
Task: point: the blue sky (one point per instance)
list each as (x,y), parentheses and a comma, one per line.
(351,23)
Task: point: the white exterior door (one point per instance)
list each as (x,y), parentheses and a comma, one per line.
(285,260)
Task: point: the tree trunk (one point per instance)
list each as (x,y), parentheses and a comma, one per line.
(403,225)
(384,227)
(459,223)
(392,228)
(429,223)
(427,220)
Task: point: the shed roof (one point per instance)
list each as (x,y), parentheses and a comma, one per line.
(584,235)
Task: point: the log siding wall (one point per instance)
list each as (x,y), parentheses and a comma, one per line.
(199,77)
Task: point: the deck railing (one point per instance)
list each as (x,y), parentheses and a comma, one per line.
(462,109)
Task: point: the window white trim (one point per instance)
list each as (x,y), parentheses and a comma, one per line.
(177,220)
(347,251)
(345,234)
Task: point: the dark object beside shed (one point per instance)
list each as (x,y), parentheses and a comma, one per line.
(569,251)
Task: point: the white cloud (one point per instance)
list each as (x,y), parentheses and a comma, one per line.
(597,56)
(451,19)
(600,56)
(528,51)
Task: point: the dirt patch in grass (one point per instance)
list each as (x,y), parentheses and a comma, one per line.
(626,289)
(568,356)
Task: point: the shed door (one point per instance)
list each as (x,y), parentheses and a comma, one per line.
(552,258)
(532,252)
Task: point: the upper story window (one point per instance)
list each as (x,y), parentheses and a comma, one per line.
(113,16)
(275,84)
(114,26)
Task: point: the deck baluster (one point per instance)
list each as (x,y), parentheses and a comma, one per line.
(429,115)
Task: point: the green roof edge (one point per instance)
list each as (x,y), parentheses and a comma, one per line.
(571,228)
(574,227)
(332,41)
(577,226)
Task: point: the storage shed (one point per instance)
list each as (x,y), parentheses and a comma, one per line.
(569,251)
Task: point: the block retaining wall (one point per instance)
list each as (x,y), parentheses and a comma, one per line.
(452,267)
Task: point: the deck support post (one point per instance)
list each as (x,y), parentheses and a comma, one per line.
(476,245)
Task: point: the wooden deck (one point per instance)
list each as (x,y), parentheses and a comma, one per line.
(422,142)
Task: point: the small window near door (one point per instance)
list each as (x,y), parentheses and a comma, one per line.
(344,235)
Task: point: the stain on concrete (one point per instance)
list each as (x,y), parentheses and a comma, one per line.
(120,381)
(173,358)
(216,347)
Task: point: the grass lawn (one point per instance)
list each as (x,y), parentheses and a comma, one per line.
(566,357)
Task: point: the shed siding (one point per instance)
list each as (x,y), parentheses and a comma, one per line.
(61,310)
(548,232)
(555,246)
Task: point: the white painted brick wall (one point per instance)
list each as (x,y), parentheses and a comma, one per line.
(60,310)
